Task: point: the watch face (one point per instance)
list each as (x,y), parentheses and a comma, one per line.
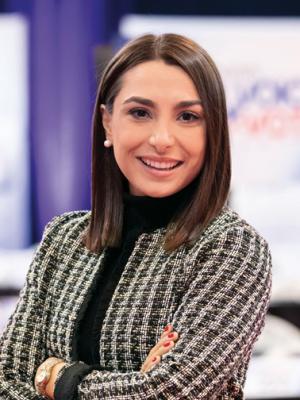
(42,377)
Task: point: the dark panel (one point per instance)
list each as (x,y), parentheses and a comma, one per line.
(289,311)
(2,6)
(216,7)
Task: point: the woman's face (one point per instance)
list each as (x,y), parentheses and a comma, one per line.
(157,129)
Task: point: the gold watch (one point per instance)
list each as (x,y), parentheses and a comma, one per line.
(44,373)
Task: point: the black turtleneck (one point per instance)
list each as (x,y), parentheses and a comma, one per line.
(141,214)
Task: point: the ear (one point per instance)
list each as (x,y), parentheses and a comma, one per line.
(106,121)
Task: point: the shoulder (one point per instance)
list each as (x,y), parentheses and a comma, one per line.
(231,247)
(229,221)
(63,232)
(230,231)
(70,223)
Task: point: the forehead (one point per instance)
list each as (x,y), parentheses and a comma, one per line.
(157,79)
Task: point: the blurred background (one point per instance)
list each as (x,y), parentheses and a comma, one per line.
(52,53)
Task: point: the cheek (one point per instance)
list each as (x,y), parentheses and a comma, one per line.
(128,139)
(195,145)
(124,144)
(123,130)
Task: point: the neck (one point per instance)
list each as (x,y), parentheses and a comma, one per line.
(146,213)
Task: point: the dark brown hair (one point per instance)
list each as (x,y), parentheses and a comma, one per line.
(106,222)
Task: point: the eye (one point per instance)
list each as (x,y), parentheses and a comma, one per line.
(187,116)
(139,113)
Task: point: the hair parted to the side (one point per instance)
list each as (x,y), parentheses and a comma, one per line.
(210,196)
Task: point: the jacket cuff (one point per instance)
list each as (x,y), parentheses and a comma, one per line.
(68,379)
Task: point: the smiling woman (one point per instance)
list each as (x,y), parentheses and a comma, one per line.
(161,290)
(158,137)
(159,100)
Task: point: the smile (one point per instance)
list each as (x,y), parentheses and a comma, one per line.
(161,166)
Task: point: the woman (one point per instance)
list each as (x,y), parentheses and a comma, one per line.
(160,249)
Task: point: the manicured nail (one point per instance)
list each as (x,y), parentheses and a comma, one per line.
(167,344)
(166,328)
(154,359)
(171,335)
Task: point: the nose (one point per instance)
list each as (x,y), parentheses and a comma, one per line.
(161,139)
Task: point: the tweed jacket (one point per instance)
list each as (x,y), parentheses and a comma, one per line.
(215,292)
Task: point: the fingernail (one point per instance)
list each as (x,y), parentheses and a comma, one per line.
(171,335)
(166,328)
(167,344)
(154,359)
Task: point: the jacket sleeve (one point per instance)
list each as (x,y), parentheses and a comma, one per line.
(22,345)
(219,318)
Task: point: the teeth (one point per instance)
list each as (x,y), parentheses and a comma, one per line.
(160,165)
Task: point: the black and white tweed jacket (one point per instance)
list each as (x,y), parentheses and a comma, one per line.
(214,292)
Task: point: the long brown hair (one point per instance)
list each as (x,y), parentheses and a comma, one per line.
(208,199)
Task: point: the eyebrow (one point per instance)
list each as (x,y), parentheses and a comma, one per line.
(150,103)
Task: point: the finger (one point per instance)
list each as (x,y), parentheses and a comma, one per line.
(165,348)
(150,363)
(156,360)
(153,358)
(170,334)
(166,335)
(174,336)
(167,329)
(147,363)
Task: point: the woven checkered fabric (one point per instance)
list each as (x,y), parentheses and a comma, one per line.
(215,293)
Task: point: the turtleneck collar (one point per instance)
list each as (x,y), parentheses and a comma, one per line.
(144,213)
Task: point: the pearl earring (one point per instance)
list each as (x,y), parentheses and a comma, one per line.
(107,143)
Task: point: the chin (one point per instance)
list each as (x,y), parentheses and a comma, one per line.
(157,190)
(160,193)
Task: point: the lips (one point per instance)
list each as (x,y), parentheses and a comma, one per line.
(162,165)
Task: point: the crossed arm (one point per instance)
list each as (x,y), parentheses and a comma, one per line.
(163,346)
(219,319)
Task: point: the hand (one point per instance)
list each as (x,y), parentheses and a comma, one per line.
(58,364)
(51,384)
(154,357)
